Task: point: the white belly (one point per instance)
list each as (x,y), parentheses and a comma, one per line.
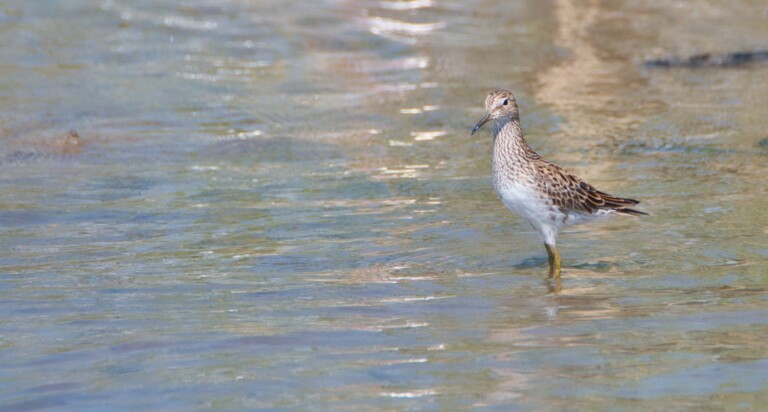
(538,210)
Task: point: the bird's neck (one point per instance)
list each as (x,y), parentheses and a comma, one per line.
(509,143)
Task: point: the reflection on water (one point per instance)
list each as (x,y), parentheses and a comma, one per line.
(582,87)
(271,205)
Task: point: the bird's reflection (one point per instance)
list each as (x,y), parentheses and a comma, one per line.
(554,285)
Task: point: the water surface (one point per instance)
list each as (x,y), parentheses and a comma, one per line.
(228,205)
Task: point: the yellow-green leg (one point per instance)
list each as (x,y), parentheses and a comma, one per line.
(554,261)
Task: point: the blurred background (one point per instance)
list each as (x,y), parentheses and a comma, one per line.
(266,205)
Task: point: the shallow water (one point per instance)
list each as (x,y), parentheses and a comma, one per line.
(277,205)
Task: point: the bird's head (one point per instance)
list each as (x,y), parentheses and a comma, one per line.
(498,105)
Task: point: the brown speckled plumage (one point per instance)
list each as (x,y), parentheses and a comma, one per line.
(543,193)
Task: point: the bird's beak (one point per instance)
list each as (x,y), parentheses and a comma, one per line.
(480,124)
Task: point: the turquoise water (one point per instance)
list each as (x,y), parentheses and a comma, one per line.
(277,206)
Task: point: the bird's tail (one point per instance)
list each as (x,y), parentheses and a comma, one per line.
(629,212)
(619,205)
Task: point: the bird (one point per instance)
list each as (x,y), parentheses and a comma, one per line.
(544,194)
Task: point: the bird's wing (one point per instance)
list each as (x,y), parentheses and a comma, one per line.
(571,193)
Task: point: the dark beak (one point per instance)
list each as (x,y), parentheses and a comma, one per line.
(480,124)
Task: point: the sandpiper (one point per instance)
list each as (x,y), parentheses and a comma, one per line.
(543,193)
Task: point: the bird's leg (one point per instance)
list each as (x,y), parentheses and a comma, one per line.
(550,257)
(557,263)
(554,261)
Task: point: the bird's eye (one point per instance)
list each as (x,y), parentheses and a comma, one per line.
(506,102)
